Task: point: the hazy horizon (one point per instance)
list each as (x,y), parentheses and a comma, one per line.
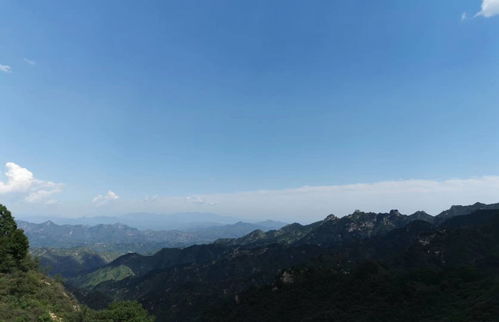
(211,218)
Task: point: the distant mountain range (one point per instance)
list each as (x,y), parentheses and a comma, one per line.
(147,221)
(70,250)
(104,236)
(309,266)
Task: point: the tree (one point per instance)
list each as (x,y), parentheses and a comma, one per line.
(7,223)
(13,243)
(126,311)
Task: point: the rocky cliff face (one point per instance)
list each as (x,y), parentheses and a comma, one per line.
(331,231)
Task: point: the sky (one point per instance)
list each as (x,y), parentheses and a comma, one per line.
(281,109)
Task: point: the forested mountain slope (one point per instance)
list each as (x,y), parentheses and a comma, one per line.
(446,274)
(26,294)
(208,282)
(72,250)
(122,238)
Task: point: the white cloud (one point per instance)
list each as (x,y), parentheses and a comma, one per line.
(29,61)
(21,182)
(101,200)
(464,16)
(312,203)
(490,8)
(44,194)
(5,68)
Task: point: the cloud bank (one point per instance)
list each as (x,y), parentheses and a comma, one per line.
(489,9)
(311,203)
(21,183)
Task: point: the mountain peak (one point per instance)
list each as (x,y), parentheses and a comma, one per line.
(331,217)
(395,212)
(458,210)
(420,212)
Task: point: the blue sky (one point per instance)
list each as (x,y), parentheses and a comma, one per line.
(189,100)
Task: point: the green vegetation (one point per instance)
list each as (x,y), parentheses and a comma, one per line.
(71,262)
(126,311)
(31,296)
(117,273)
(13,244)
(28,295)
(118,239)
(418,273)
(369,292)
(362,267)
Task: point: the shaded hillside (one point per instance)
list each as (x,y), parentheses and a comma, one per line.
(456,211)
(140,265)
(71,262)
(286,235)
(186,284)
(192,288)
(448,274)
(228,266)
(370,291)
